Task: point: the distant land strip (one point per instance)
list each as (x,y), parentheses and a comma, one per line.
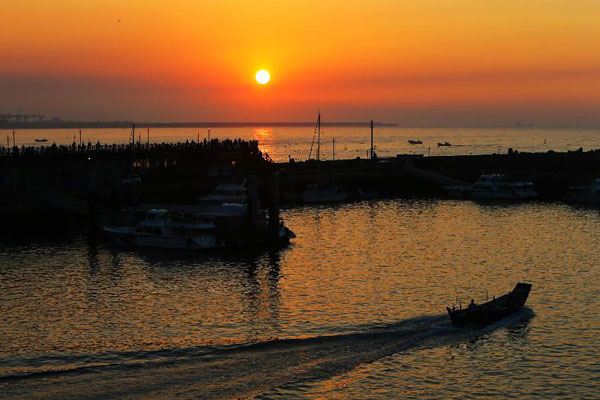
(128,124)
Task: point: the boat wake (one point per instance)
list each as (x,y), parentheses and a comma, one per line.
(245,370)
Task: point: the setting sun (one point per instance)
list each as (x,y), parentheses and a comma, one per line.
(263,77)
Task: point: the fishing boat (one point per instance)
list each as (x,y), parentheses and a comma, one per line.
(585,194)
(444,144)
(169,230)
(42,140)
(492,310)
(317,193)
(415,142)
(495,187)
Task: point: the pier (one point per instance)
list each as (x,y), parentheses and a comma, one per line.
(102,182)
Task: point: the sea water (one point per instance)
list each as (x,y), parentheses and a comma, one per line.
(354,308)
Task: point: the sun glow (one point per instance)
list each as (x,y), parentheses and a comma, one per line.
(263,77)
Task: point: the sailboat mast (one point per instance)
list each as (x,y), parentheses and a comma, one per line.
(333,162)
(318,145)
(371,138)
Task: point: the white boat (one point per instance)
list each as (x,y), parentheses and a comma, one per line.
(169,230)
(226,193)
(317,193)
(495,187)
(585,194)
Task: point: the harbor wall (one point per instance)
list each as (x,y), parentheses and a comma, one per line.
(113,177)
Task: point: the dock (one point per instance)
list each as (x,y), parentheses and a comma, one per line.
(100,182)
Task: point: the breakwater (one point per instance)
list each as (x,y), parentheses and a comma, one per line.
(64,180)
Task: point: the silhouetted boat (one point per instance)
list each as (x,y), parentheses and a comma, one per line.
(415,142)
(317,193)
(585,194)
(42,140)
(445,144)
(492,310)
(367,194)
(495,187)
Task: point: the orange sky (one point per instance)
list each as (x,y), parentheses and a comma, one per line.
(442,62)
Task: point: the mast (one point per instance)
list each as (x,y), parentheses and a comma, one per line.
(371,139)
(318,145)
(333,162)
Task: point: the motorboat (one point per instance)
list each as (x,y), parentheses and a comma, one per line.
(226,193)
(585,194)
(367,194)
(495,187)
(444,144)
(327,194)
(170,230)
(42,140)
(415,142)
(492,310)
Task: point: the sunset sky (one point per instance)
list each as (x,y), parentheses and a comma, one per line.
(429,63)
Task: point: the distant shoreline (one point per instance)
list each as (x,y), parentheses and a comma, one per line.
(128,124)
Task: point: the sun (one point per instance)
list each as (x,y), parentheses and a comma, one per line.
(263,77)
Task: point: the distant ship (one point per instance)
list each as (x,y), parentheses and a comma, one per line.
(445,144)
(42,140)
(415,142)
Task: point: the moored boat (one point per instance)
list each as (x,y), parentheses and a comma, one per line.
(492,310)
(585,194)
(169,230)
(445,144)
(327,194)
(495,187)
(318,193)
(42,140)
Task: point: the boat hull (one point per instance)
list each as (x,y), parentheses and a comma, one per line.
(127,236)
(502,195)
(324,195)
(493,310)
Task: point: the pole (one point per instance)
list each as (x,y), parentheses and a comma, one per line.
(80,137)
(318,146)
(209,134)
(371,139)
(148,139)
(333,162)
(14,141)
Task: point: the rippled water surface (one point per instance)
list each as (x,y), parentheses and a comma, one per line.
(354,308)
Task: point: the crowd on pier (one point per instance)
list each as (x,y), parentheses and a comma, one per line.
(205,146)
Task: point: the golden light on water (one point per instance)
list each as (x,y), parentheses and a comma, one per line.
(263,77)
